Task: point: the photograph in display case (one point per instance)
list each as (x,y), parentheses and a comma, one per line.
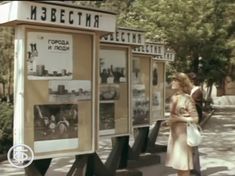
(107,117)
(136,75)
(49,56)
(112,66)
(69,90)
(109,92)
(141,106)
(156,100)
(55,124)
(155,74)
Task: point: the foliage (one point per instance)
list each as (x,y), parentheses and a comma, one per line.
(194,29)
(6,57)
(6,121)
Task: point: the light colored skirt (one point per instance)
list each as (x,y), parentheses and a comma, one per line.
(179,154)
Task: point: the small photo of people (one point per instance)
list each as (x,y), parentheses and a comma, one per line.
(57,121)
(155,75)
(156,99)
(112,67)
(136,72)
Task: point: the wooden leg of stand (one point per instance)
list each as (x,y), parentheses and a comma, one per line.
(78,166)
(96,167)
(38,167)
(119,154)
(152,147)
(124,154)
(139,143)
(153,134)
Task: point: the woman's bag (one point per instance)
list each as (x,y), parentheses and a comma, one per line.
(194,134)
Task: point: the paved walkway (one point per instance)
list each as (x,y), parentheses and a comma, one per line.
(217,153)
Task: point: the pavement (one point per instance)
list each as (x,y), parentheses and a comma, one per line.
(217,152)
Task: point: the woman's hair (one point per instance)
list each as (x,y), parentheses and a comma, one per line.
(184,81)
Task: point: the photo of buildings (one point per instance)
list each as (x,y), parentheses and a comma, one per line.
(69,90)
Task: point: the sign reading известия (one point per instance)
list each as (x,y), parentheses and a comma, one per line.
(58,15)
(125,36)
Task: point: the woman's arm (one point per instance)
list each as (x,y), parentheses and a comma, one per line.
(189,116)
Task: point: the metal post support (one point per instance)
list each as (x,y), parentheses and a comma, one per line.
(139,143)
(96,167)
(151,146)
(117,158)
(78,165)
(38,167)
(119,153)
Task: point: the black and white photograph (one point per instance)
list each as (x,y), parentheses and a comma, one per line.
(53,124)
(69,90)
(107,117)
(136,72)
(155,75)
(109,92)
(141,105)
(49,56)
(156,100)
(113,66)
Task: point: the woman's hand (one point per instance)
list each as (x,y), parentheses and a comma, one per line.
(169,121)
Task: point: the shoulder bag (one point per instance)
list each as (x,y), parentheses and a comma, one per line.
(194,134)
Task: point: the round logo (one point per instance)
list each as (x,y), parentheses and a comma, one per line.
(20,156)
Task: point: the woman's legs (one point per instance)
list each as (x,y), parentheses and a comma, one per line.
(183,173)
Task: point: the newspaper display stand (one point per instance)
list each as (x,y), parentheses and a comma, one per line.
(153,55)
(152,60)
(56,50)
(115,80)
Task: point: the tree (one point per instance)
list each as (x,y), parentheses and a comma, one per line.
(194,29)
(6,58)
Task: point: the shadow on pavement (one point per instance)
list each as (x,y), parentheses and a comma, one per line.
(213,170)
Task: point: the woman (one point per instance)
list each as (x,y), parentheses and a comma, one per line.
(182,107)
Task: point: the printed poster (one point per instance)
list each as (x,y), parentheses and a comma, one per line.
(49,56)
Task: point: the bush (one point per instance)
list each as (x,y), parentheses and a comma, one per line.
(6,127)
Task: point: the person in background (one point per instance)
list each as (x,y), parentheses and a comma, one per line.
(196,94)
(182,110)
